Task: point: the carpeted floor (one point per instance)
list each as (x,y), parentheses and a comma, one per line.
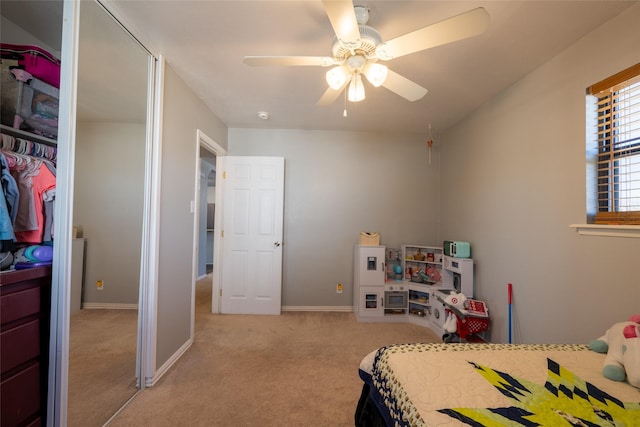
(296,369)
(102,364)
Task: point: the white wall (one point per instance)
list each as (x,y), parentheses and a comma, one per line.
(108,205)
(513,180)
(336,185)
(184,113)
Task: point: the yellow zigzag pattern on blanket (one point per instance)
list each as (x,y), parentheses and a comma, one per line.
(565,399)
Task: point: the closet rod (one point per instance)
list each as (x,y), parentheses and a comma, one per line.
(17,133)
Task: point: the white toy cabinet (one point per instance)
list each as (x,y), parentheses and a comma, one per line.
(368,281)
(375,296)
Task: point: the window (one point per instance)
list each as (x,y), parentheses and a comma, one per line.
(617,148)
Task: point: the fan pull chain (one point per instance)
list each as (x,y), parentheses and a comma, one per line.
(344,113)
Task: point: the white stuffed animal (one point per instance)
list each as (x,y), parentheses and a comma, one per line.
(621,343)
(456,300)
(451,323)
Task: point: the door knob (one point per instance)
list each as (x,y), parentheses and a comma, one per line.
(276,244)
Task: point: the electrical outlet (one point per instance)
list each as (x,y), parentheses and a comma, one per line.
(100,285)
(339,288)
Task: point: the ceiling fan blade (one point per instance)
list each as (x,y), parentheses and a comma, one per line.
(330,95)
(289,61)
(404,87)
(343,20)
(459,27)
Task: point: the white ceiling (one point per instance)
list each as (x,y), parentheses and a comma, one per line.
(205,42)
(112,70)
(42,19)
(112,67)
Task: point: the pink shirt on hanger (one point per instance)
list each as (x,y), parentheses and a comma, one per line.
(42,182)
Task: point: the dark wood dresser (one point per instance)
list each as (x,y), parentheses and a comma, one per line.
(25,306)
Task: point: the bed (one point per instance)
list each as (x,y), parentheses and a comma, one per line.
(462,384)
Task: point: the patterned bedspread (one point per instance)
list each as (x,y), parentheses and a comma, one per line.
(500,385)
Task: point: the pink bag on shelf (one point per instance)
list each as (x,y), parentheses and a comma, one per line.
(35,60)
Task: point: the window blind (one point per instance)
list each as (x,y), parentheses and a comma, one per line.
(618,141)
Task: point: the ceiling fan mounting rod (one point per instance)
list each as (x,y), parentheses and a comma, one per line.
(362,14)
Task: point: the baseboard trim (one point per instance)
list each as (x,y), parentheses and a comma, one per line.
(108,306)
(150,382)
(339,308)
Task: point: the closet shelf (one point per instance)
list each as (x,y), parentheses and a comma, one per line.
(17,133)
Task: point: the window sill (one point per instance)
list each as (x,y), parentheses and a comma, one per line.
(632,231)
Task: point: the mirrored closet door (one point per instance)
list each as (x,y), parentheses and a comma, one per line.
(108,217)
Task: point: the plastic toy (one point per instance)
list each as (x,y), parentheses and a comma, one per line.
(456,300)
(465,318)
(433,273)
(621,343)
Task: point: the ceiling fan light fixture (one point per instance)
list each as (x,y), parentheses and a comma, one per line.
(337,77)
(375,73)
(356,89)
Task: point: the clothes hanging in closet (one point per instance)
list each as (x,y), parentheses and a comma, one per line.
(8,204)
(28,185)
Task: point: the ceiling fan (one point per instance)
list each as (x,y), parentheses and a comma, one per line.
(358,48)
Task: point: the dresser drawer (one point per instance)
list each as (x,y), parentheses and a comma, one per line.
(20,396)
(19,345)
(20,304)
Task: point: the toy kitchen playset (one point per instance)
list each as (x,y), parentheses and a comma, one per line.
(430,286)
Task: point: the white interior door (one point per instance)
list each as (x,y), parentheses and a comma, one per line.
(251,276)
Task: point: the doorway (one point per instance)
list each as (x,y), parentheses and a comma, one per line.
(206,213)
(207,175)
